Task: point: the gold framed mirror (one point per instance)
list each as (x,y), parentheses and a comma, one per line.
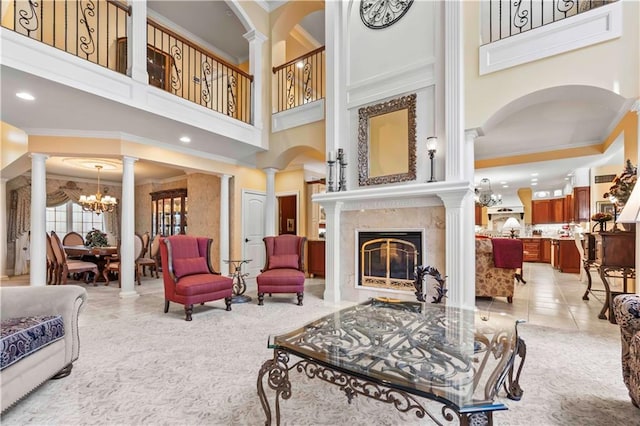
(387,142)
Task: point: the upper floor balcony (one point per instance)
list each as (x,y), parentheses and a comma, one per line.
(136,55)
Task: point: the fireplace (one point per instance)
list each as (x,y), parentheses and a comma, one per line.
(387,259)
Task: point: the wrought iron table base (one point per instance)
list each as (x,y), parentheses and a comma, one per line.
(239,284)
(277,370)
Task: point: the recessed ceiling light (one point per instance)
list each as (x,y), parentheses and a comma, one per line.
(185,139)
(534,174)
(534,183)
(505,186)
(504,182)
(26,96)
(534,179)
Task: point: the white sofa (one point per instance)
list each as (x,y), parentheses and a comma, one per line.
(52,360)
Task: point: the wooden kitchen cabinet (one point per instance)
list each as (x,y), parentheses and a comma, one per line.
(568,256)
(478,215)
(540,211)
(316,256)
(581,204)
(531,249)
(568,209)
(545,250)
(556,210)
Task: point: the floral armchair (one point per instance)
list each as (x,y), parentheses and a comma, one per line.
(627,311)
(492,281)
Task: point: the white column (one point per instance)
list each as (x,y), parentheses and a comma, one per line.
(460,249)
(270,205)
(38,253)
(332,278)
(224,224)
(127,229)
(335,100)
(636,108)
(137,42)
(256,39)
(454,90)
(3,228)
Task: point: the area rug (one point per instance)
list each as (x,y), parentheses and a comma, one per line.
(139,366)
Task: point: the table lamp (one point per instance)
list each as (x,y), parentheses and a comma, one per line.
(631,211)
(511,224)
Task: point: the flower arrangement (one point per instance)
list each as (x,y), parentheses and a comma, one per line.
(623,185)
(601,217)
(96,238)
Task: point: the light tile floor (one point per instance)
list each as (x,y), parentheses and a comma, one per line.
(553,299)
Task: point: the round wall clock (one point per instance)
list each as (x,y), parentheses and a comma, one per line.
(377,14)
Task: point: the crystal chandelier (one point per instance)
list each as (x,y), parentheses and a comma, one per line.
(485,196)
(97,203)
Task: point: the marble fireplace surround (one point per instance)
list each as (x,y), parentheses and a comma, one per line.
(440,208)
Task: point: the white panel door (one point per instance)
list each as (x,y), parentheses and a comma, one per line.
(253,205)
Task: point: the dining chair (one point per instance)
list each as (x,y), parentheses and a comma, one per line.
(73,239)
(52,265)
(69,266)
(114,262)
(152,261)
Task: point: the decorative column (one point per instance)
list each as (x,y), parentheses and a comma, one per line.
(3,228)
(460,248)
(270,204)
(38,253)
(336,122)
(127,229)
(256,39)
(224,224)
(454,90)
(137,42)
(332,280)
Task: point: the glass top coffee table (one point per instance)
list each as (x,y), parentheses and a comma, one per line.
(402,352)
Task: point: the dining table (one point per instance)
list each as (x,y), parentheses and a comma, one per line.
(97,255)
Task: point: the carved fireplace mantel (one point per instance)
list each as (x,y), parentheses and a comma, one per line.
(455,196)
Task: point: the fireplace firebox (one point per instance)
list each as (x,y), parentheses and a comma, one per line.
(387,259)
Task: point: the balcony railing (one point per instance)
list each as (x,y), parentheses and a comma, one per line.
(87,29)
(181,67)
(96,30)
(505,18)
(300,81)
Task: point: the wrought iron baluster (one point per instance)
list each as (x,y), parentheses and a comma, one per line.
(87,44)
(307,80)
(206,84)
(176,80)
(290,89)
(564,6)
(29,19)
(231,95)
(521,17)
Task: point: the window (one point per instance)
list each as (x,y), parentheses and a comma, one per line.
(70,217)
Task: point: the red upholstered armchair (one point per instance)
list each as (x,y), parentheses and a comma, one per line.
(188,274)
(283,271)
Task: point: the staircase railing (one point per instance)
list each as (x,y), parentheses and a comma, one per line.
(300,81)
(181,67)
(506,18)
(87,29)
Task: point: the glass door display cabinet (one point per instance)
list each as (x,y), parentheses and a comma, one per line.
(169,212)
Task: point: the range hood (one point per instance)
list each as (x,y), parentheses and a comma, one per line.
(511,204)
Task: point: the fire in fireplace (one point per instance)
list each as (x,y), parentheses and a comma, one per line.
(387,259)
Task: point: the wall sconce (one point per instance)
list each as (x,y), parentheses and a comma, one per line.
(432,144)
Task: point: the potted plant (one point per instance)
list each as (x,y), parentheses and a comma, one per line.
(96,238)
